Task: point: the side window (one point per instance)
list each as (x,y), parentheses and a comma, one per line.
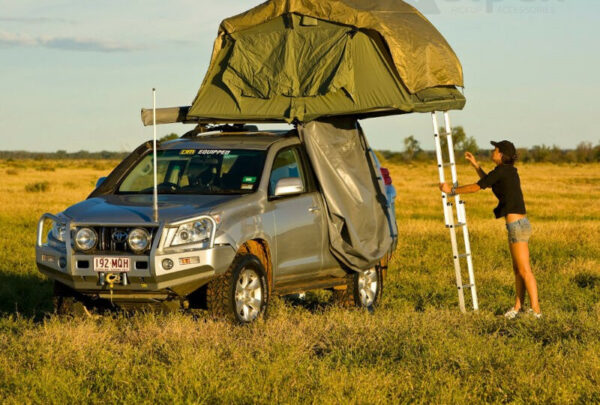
(286,164)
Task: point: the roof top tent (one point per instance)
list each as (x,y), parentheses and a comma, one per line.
(293,60)
(323,65)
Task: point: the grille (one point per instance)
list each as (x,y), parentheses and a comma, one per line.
(114,239)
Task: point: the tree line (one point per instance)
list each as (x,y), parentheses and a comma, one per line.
(585,152)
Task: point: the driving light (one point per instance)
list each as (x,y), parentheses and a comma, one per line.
(86,239)
(138,240)
(193,232)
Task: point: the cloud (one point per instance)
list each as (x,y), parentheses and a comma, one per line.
(66,43)
(36,20)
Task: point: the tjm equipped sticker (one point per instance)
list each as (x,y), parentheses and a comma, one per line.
(187,152)
(249,179)
(213,152)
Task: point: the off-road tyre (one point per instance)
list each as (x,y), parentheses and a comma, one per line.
(67,302)
(221,292)
(350,297)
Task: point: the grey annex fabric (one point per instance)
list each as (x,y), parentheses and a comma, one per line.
(359,228)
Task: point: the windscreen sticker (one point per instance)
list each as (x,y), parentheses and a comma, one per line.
(213,152)
(247,186)
(249,179)
(187,152)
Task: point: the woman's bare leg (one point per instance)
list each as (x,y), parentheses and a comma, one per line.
(519,286)
(520,254)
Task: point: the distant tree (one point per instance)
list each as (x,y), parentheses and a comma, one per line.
(469,145)
(393,157)
(460,140)
(411,147)
(523,155)
(585,152)
(545,153)
(169,137)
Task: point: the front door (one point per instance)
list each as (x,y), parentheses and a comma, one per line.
(299,223)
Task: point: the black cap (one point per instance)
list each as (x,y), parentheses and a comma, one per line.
(506,148)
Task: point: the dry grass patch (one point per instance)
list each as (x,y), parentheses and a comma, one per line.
(416,348)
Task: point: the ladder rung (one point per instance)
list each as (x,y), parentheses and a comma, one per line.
(455,225)
(464,255)
(468,286)
(449,164)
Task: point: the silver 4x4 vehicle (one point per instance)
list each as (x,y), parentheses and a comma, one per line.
(241,219)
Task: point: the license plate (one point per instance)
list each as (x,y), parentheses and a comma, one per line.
(111,264)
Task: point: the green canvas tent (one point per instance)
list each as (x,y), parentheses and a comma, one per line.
(296,60)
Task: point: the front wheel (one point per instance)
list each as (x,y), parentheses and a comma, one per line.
(362,290)
(241,294)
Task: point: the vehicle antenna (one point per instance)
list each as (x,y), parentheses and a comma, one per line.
(155,196)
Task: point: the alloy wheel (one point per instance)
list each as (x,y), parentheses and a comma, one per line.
(248,295)
(367,287)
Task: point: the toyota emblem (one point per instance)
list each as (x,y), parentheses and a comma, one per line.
(119,236)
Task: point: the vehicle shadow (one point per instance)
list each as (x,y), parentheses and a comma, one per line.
(310,301)
(25,295)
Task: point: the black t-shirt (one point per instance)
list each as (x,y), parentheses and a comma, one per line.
(506,185)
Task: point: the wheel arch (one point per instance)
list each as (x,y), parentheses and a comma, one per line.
(260,248)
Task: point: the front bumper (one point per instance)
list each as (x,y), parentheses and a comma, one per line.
(147,279)
(211,263)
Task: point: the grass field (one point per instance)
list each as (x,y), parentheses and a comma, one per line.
(417,347)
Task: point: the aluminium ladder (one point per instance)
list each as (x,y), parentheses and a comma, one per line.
(461,215)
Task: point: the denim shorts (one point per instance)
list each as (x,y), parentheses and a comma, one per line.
(519,231)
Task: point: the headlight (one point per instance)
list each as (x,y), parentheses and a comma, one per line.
(59,230)
(138,240)
(86,239)
(193,232)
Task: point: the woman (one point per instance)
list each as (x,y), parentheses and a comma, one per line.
(506,185)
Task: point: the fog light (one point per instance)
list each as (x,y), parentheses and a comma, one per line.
(167,264)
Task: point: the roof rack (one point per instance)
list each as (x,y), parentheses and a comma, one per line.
(205,128)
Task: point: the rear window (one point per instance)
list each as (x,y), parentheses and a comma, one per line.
(197,171)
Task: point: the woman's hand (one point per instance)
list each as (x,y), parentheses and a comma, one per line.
(445,187)
(469,156)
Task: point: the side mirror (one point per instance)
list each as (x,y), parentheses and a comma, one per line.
(288,186)
(100,181)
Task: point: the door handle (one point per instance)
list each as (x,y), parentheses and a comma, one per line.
(314,209)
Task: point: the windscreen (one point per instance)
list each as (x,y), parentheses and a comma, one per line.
(197,171)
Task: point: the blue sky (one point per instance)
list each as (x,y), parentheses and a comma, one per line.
(75,73)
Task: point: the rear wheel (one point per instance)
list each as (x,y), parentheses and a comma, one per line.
(241,294)
(362,290)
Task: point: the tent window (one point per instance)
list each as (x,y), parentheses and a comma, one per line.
(309,21)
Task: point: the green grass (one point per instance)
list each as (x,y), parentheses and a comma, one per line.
(417,347)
